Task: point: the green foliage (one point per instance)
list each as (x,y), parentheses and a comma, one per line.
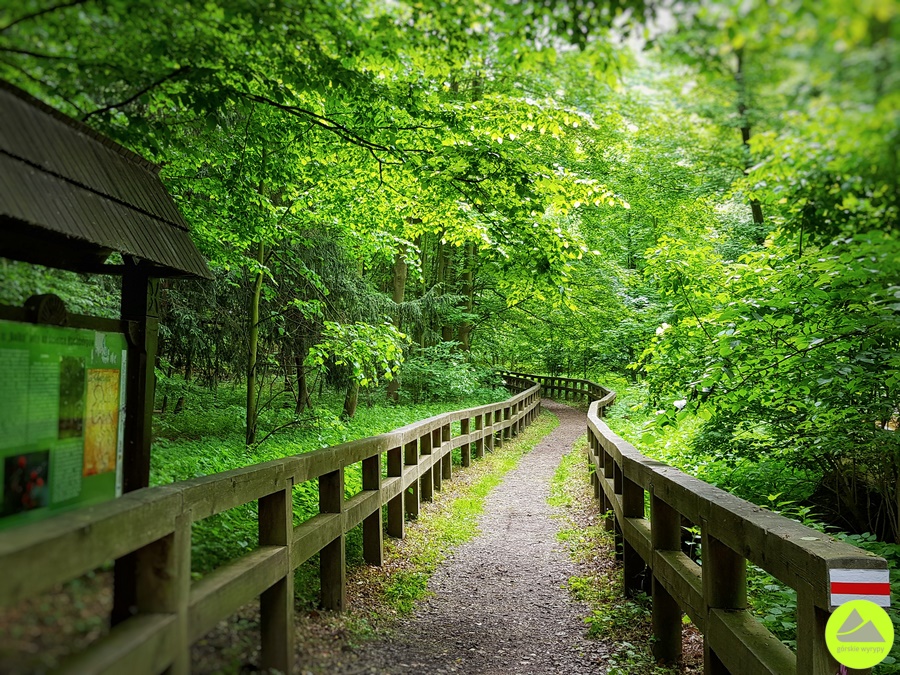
(83,294)
(371,352)
(442,373)
(207,438)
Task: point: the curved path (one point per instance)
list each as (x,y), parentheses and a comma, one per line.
(500,602)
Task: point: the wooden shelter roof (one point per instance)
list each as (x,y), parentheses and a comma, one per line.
(70,196)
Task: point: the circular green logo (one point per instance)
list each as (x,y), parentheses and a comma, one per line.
(859,634)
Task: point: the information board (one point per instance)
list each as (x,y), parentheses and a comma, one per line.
(62,415)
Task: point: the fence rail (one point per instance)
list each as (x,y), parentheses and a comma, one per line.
(567,388)
(154,525)
(713,590)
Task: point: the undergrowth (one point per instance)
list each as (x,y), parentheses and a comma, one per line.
(207,437)
(623,622)
(768,481)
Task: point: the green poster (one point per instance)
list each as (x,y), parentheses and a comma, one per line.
(62,405)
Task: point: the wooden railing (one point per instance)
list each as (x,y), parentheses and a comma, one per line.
(566,388)
(399,469)
(713,591)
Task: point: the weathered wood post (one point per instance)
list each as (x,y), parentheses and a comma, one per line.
(396,527)
(633,565)
(438,472)
(812,652)
(447,457)
(163,572)
(507,430)
(665,535)
(479,442)
(373,533)
(489,436)
(724,587)
(427,480)
(332,562)
(619,539)
(140,307)
(466,449)
(412,493)
(608,470)
(276,604)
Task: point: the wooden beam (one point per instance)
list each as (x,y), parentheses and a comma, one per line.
(140,306)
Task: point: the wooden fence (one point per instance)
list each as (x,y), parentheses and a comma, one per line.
(565,388)
(154,525)
(713,591)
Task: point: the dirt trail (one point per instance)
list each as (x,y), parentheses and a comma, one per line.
(500,604)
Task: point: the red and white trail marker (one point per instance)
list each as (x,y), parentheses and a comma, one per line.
(871,585)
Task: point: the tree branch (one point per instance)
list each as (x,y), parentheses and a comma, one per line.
(325,123)
(41,12)
(41,82)
(136,96)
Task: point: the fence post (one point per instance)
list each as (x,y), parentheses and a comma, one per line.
(812,652)
(506,432)
(489,437)
(724,587)
(665,533)
(395,524)
(608,464)
(427,487)
(437,473)
(594,451)
(163,584)
(479,442)
(633,565)
(447,457)
(332,563)
(412,493)
(276,604)
(617,530)
(466,449)
(373,533)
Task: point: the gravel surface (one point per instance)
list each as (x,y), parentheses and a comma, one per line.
(500,603)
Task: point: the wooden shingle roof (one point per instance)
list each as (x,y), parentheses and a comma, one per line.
(70,196)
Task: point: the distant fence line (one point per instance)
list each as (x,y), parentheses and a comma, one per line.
(154,525)
(565,388)
(649,501)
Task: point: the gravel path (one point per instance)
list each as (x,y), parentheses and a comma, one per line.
(500,604)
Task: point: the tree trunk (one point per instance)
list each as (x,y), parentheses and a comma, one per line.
(399,289)
(253,348)
(755,207)
(465,328)
(303,400)
(350,400)
(444,265)
(423,259)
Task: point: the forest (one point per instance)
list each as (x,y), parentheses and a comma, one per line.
(692,203)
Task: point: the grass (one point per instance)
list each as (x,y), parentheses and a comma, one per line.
(623,622)
(207,437)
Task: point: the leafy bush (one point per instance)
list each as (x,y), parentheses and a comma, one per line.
(439,373)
